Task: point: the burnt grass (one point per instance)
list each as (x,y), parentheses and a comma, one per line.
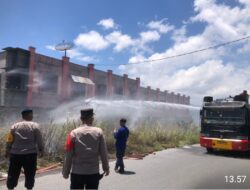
(144,138)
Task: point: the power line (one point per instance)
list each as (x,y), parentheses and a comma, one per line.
(188,53)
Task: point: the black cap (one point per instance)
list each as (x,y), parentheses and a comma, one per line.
(87,113)
(123,120)
(26,111)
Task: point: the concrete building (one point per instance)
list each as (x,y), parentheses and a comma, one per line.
(30,79)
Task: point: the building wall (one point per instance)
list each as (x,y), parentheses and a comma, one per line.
(48,72)
(118,86)
(15,97)
(143,93)
(48,82)
(78,89)
(132,88)
(100,80)
(12,114)
(14,77)
(162,97)
(2,76)
(2,60)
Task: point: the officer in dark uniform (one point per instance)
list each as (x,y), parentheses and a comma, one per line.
(242,97)
(245,96)
(121,135)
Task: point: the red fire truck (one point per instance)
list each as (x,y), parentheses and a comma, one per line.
(225,124)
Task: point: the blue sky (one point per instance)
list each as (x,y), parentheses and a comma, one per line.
(112,33)
(41,23)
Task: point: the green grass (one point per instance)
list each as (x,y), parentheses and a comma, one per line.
(144,138)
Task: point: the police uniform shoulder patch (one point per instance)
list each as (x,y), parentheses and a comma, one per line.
(9,138)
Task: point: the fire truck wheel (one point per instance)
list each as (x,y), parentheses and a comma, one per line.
(210,150)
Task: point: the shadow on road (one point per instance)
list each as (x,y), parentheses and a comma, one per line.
(128,173)
(232,154)
(197,150)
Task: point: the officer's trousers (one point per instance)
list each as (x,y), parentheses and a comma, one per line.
(119,159)
(28,162)
(79,181)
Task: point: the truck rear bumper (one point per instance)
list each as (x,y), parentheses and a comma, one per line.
(224,144)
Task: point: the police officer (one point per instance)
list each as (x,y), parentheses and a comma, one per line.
(83,147)
(121,135)
(245,96)
(24,141)
(242,97)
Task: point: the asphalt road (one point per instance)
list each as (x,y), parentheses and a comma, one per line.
(184,168)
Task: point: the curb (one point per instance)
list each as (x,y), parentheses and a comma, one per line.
(138,156)
(48,168)
(58,165)
(40,170)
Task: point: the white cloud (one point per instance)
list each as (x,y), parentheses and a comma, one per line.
(228,23)
(162,26)
(179,35)
(88,59)
(211,78)
(149,36)
(204,76)
(124,41)
(133,45)
(121,41)
(210,72)
(78,55)
(50,47)
(137,59)
(244,49)
(245,2)
(91,41)
(95,41)
(107,23)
